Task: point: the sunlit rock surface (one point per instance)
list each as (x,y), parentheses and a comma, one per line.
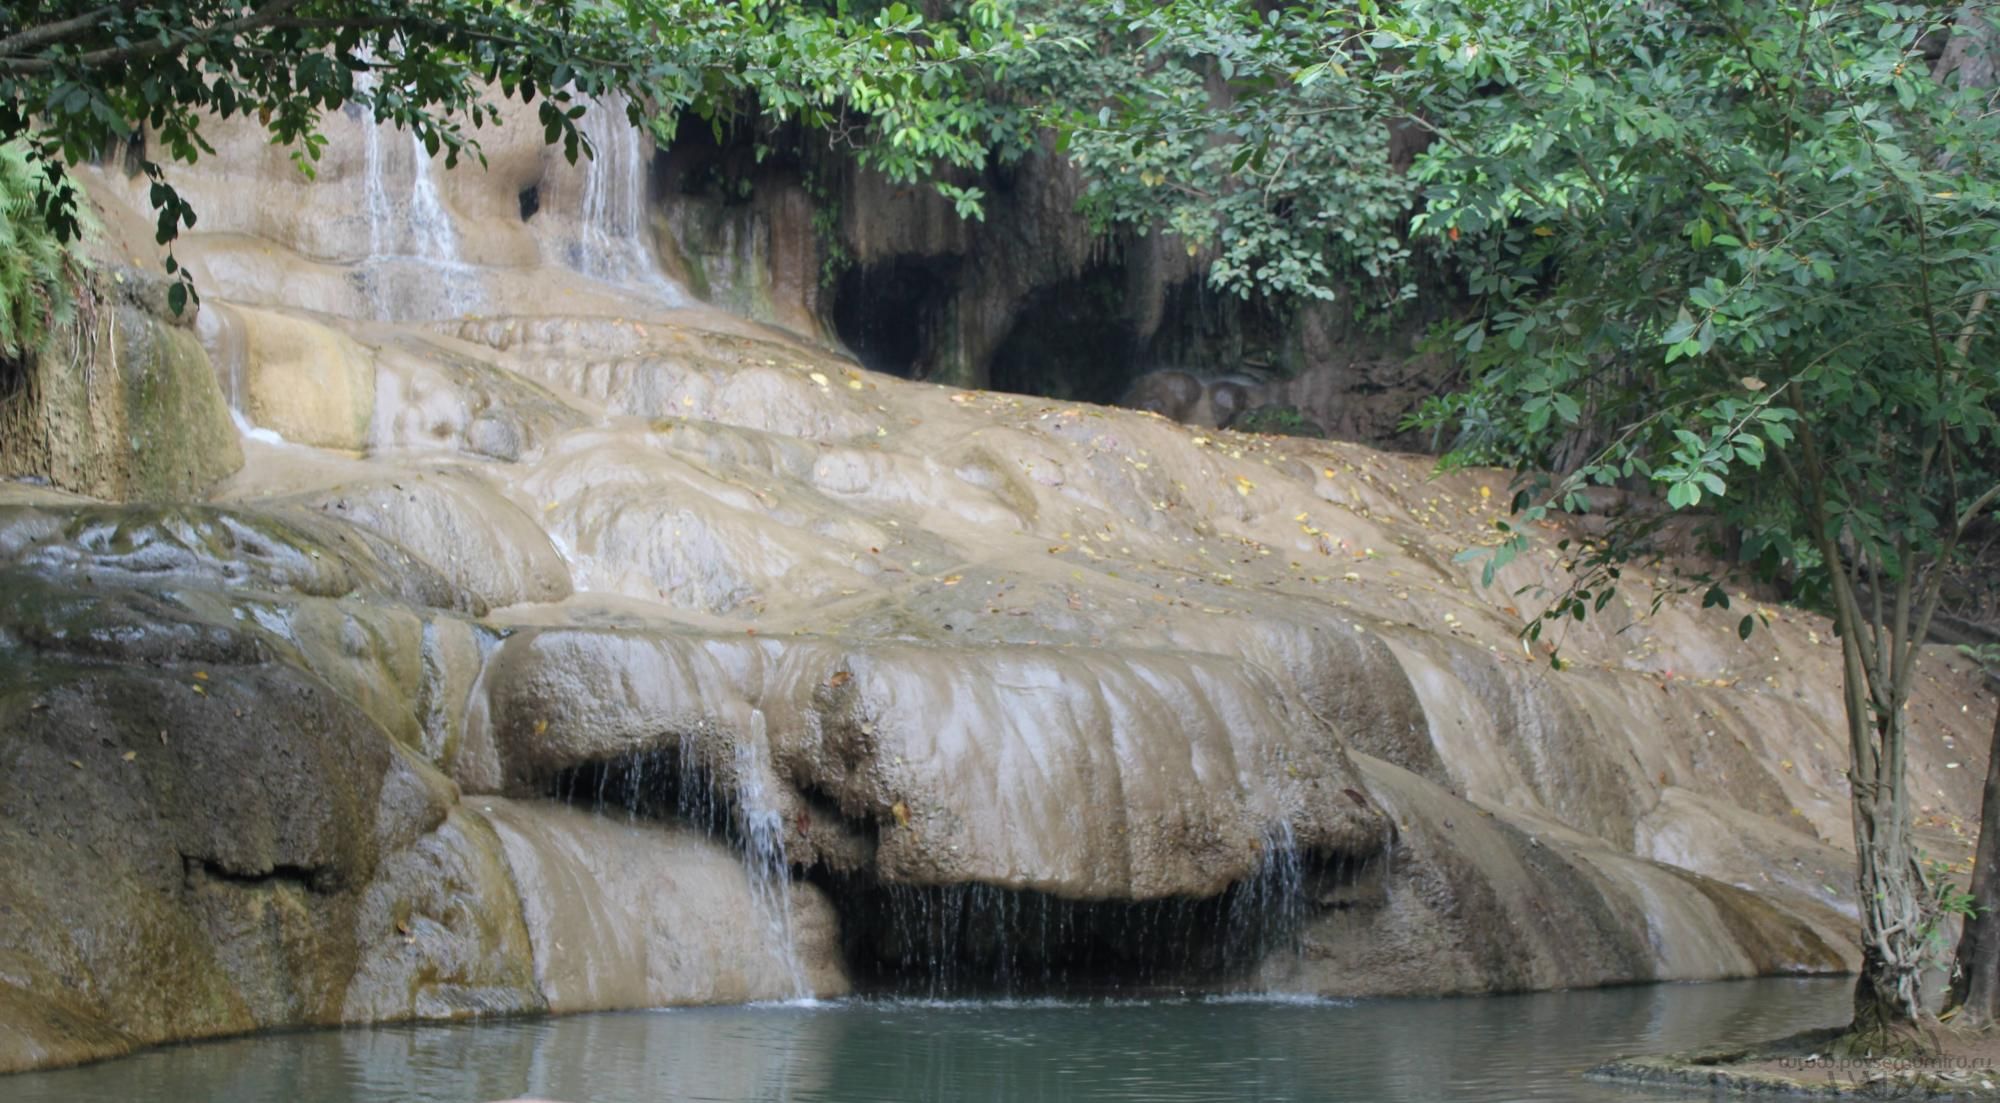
(564,644)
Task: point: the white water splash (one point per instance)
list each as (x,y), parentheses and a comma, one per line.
(254,432)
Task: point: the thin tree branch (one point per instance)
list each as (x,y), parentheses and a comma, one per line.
(113,55)
(32,37)
(1972,512)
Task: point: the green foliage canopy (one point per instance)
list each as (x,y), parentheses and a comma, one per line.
(78,75)
(1188,117)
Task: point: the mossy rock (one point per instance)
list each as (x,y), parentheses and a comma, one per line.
(126,406)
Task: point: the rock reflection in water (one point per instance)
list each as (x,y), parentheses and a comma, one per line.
(1511,1047)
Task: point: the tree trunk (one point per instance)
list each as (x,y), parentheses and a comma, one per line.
(1888,994)
(1975,982)
(1895,902)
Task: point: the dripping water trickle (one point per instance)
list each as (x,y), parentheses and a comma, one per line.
(1269,910)
(973,940)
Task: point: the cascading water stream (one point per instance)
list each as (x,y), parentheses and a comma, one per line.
(730,804)
(219,334)
(611,239)
(1267,910)
(763,845)
(413,249)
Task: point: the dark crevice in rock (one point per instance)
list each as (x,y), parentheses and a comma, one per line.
(662,784)
(133,161)
(980,941)
(530,201)
(316,879)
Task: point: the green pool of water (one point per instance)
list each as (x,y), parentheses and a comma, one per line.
(1162,1051)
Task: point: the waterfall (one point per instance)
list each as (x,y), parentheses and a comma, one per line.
(763,843)
(374,193)
(1267,911)
(413,268)
(730,804)
(612,230)
(433,238)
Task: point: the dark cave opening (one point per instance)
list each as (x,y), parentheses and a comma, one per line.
(886,312)
(1083,339)
(969,940)
(1071,340)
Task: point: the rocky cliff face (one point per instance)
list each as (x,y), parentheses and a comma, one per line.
(566,643)
(1029,299)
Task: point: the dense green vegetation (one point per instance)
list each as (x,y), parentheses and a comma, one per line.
(39,276)
(1737,252)
(78,76)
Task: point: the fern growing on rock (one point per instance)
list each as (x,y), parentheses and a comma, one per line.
(39,274)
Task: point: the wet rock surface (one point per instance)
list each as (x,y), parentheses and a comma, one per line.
(589,650)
